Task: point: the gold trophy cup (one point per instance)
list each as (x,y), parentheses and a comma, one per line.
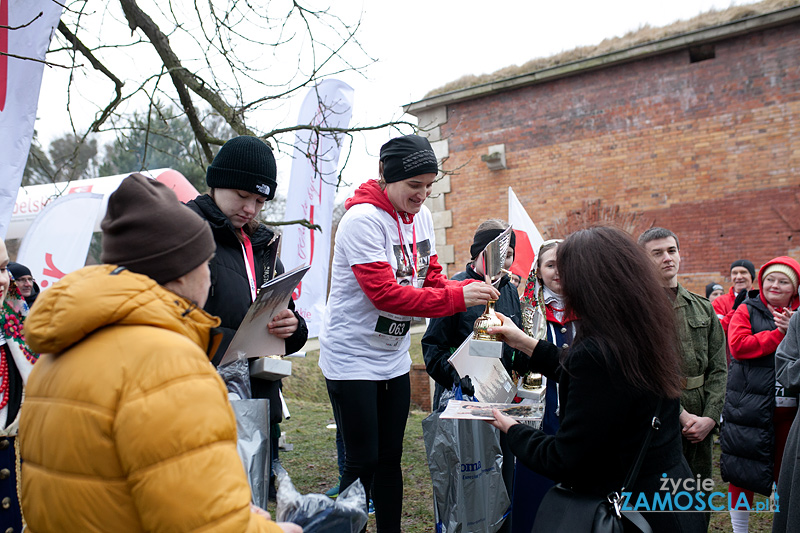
(493,257)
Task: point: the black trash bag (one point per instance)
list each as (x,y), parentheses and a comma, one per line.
(317,513)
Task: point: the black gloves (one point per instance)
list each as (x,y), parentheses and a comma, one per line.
(467,388)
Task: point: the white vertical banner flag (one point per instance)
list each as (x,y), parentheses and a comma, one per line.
(311,191)
(528,237)
(58,240)
(25,30)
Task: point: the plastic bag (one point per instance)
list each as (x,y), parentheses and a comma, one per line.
(466,463)
(252,443)
(455,394)
(317,513)
(236,376)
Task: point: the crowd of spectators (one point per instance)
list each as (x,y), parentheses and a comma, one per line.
(126,421)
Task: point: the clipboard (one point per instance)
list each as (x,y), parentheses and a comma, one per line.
(253,339)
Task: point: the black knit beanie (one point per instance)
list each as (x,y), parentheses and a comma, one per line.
(746,264)
(406,157)
(244,163)
(19,270)
(482,238)
(147,230)
(713,286)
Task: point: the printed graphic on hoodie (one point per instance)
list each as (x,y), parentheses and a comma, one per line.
(405,273)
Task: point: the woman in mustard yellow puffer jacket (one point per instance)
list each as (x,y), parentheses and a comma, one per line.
(126,425)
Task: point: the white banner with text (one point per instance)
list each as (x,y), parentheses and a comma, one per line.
(26,27)
(311,193)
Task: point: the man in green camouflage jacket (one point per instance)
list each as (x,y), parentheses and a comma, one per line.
(702,350)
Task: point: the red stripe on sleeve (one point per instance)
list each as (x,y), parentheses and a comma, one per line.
(378,282)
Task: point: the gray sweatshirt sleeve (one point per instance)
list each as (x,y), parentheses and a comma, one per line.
(787,357)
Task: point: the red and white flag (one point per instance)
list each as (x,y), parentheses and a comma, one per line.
(311,190)
(528,237)
(25,30)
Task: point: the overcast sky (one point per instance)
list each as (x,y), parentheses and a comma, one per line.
(423,44)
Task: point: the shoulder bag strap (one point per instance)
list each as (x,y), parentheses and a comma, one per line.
(655,424)
(614,498)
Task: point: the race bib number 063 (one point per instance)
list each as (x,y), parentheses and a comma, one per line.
(390,330)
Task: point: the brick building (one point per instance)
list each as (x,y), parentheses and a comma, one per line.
(698,132)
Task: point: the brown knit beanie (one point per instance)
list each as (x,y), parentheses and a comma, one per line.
(147,230)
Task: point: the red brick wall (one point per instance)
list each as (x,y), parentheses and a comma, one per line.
(710,150)
(420,388)
(746,224)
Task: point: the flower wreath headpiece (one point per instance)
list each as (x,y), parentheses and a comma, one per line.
(534,314)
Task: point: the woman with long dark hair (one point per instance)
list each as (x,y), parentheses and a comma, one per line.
(543,317)
(623,364)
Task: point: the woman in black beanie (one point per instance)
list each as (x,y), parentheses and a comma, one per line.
(242,178)
(385,270)
(713,291)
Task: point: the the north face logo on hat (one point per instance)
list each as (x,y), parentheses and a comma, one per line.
(263,188)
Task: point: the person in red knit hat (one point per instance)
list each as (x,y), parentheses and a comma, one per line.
(757,416)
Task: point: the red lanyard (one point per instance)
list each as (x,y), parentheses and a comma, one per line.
(249,263)
(413,244)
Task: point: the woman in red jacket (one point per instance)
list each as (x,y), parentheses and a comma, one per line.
(757,416)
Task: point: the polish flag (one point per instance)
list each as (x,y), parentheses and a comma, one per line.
(528,237)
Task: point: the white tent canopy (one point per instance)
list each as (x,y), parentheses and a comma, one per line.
(32,199)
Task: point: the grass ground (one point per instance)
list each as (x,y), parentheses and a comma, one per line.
(312,462)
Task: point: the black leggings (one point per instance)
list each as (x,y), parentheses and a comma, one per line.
(372,418)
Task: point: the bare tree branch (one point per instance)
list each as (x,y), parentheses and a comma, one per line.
(228,62)
(139,19)
(325,129)
(191,112)
(78,46)
(48,63)
(303,222)
(41,13)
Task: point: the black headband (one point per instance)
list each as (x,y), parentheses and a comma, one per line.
(484,237)
(406,157)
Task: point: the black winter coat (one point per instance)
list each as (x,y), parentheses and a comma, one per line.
(444,335)
(229,296)
(747,437)
(604,421)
